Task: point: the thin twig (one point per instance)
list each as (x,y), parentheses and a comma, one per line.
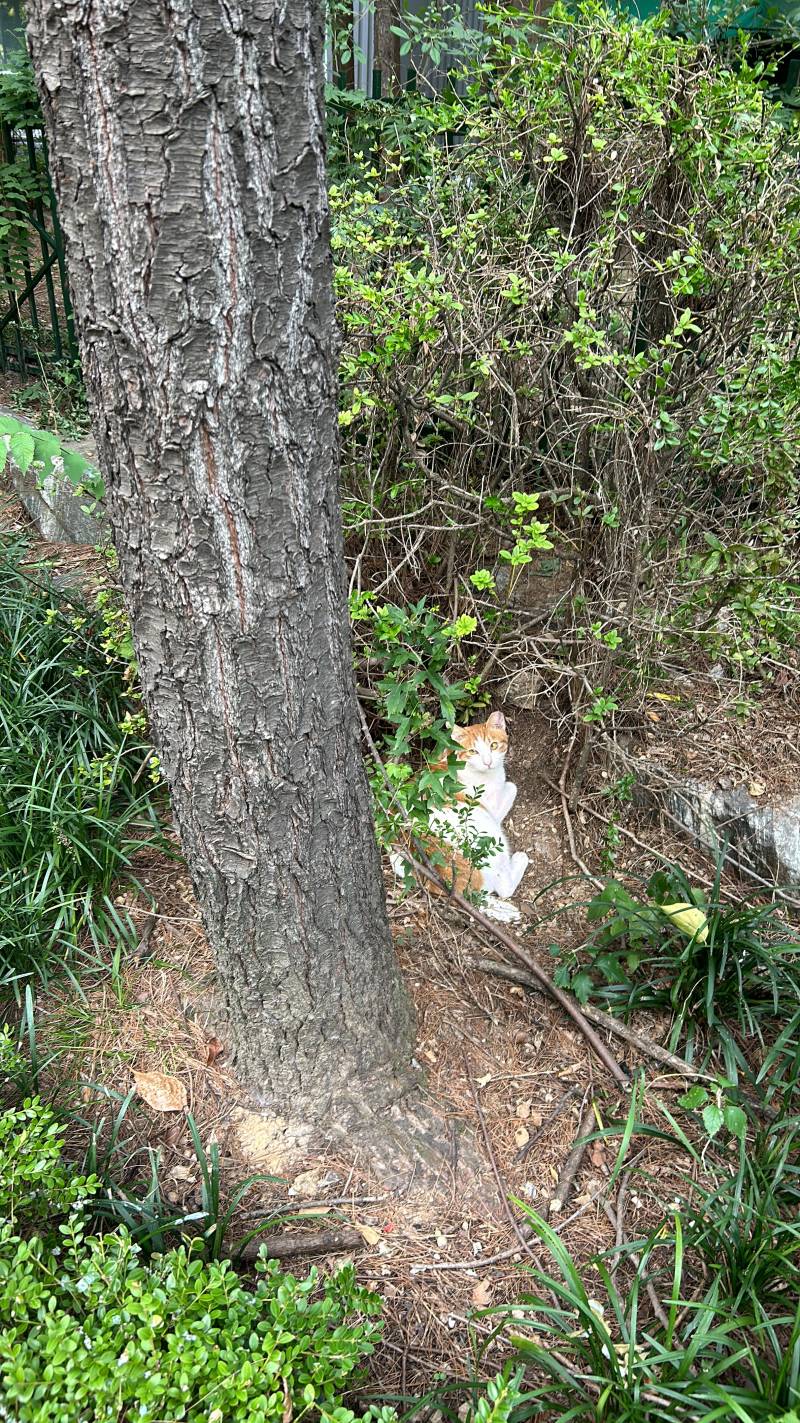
(615,1218)
(548,1121)
(566,813)
(501,1188)
(573,1163)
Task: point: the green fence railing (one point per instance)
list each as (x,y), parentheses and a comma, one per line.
(36,319)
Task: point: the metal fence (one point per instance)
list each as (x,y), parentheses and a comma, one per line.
(36,321)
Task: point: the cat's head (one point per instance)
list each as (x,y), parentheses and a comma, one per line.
(484,745)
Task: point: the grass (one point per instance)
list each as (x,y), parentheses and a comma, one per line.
(735,975)
(76,802)
(600,1352)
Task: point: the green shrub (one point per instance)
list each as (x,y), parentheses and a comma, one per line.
(91,1331)
(36,1187)
(75,797)
(589,297)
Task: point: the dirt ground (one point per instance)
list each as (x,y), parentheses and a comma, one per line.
(505,1066)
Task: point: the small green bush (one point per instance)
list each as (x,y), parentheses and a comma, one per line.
(91,1331)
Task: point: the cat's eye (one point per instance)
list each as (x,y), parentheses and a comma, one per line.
(494,745)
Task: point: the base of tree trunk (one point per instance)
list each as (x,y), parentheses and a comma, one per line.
(413,1147)
(401,1140)
(409,1148)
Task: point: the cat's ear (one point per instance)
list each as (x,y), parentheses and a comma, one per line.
(458,734)
(496,721)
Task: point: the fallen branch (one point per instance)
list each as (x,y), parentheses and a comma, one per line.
(289,1247)
(644,1045)
(572,1165)
(423,868)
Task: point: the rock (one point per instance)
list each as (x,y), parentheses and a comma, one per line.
(762,838)
(56,510)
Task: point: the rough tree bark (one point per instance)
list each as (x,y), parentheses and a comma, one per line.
(387,46)
(187,152)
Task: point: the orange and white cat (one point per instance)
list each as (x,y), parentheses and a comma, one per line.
(486,800)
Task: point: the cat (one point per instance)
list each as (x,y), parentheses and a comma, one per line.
(481,752)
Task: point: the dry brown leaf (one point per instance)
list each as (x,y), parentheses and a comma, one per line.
(483,1081)
(161,1092)
(368,1233)
(756,788)
(315,1210)
(522,1136)
(524,1110)
(287,1402)
(214,1049)
(598,1153)
(481,1294)
(536,1119)
(653,715)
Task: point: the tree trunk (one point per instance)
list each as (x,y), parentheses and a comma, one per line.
(387,46)
(188,160)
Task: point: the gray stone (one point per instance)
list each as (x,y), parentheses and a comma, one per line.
(764,839)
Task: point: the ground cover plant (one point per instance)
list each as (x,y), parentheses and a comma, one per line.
(91,1327)
(78,779)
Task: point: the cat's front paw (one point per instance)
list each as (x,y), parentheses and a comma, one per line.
(519,864)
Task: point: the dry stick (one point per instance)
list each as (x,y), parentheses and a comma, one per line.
(300,1207)
(286,1247)
(570,1007)
(603,1020)
(502,1192)
(565,811)
(513,1250)
(548,1122)
(615,1218)
(572,1165)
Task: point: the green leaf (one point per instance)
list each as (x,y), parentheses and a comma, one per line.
(75,466)
(23,449)
(735,1121)
(713,1118)
(694,1098)
(582,986)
